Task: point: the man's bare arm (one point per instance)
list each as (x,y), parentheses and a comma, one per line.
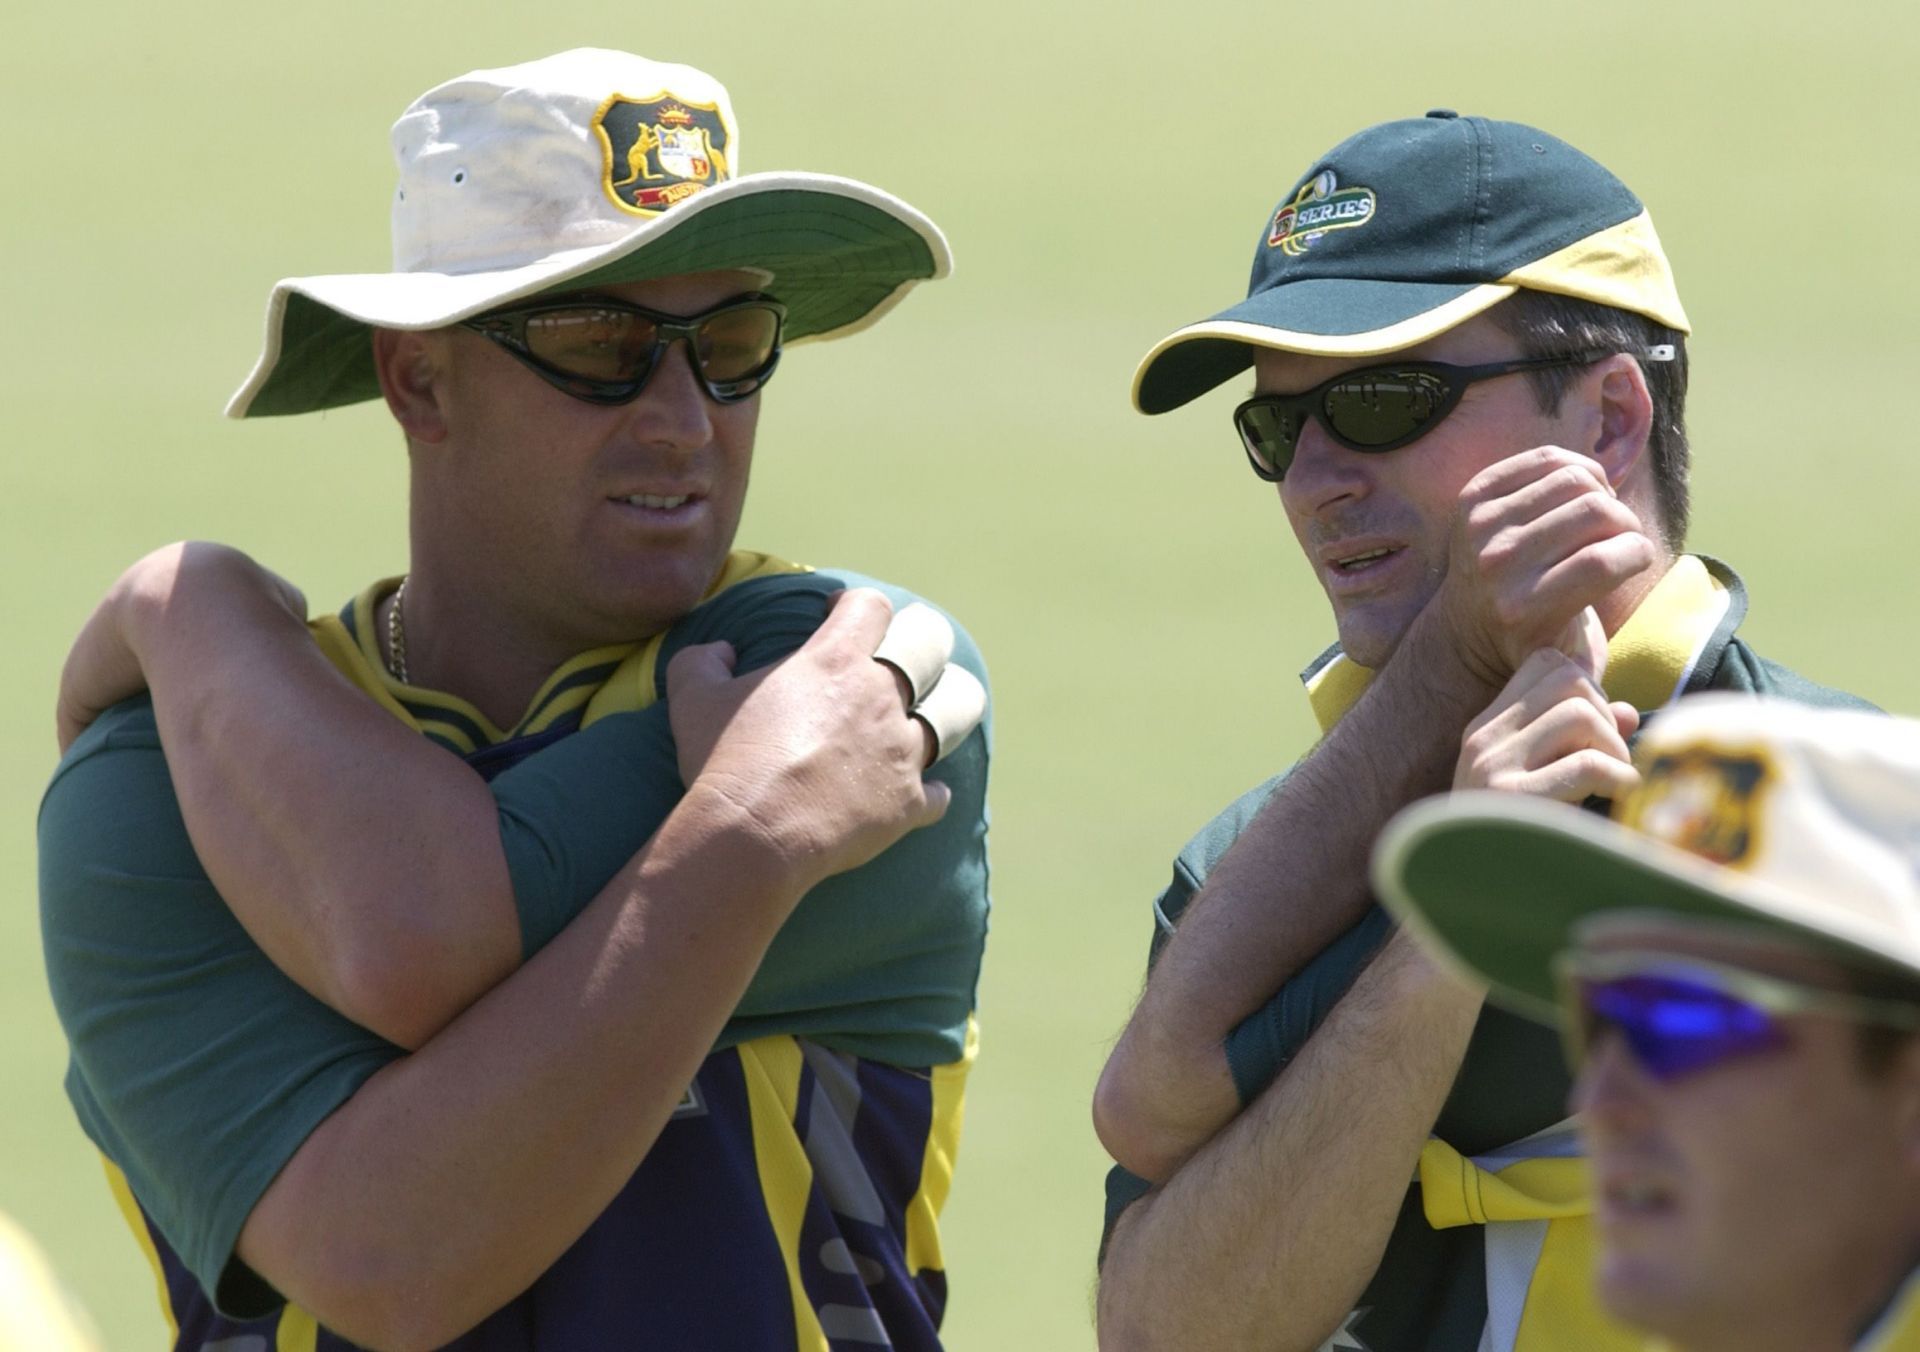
(1269,1233)
(456,1175)
(1540,538)
(1292,883)
(1265,1237)
(347,810)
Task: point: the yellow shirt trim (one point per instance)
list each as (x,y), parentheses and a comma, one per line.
(771,1068)
(631,686)
(297,1331)
(937,1165)
(130,1213)
(1456,1191)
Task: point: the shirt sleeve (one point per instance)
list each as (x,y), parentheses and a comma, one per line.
(880,962)
(196,1065)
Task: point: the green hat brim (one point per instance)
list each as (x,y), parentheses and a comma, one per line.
(1321,317)
(841,253)
(1497,884)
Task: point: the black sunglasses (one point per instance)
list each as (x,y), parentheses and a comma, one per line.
(604,351)
(1376,408)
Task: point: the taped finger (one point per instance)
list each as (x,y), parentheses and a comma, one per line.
(952,709)
(917,644)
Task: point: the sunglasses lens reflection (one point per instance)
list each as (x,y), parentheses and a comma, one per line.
(1675,1027)
(617,347)
(598,344)
(736,345)
(1270,433)
(1383,406)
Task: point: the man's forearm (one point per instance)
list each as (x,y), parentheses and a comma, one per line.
(1266,1235)
(363,859)
(454,1177)
(1293,882)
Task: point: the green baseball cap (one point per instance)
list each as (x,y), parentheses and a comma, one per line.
(1409,228)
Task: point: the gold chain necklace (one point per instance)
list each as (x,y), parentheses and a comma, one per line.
(397,636)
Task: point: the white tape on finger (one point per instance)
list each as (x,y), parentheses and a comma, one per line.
(952,709)
(917,644)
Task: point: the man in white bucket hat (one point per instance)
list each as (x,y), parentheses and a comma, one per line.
(540,1049)
(1735,962)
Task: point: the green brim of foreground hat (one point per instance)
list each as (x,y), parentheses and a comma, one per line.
(841,253)
(1497,884)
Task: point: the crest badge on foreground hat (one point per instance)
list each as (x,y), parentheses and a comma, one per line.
(589,168)
(1760,812)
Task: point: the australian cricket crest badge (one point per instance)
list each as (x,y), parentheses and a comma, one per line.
(661,150)
(1321,206)
(1701,799)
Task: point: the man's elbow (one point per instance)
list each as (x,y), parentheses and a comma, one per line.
(369,1287)
(406,987)
(1124,1121)
(376,1306)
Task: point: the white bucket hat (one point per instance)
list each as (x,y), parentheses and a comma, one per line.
(1801,821)
(589,168)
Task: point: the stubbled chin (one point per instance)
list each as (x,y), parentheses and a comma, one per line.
(1367,636)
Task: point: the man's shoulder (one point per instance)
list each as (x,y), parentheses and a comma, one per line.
(1197,858)
(130,723)
(1213,840)
(118,754)
(795,602)
(1743,670)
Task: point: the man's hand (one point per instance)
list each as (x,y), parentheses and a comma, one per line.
(817,751)
(1539,536)
(108,661)
(1552,732)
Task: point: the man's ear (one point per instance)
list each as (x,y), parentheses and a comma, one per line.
(1623,412)
(410,367)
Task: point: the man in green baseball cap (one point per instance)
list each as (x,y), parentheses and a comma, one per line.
(1469,372)
(534,1044)
(1734,962)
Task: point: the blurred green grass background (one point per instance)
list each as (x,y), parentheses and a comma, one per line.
(1102,171)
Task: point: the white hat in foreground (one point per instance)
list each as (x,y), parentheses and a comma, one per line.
(1799,820)
(589,168)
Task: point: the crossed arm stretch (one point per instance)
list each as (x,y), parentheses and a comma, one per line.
(368,864)
(1265,1224)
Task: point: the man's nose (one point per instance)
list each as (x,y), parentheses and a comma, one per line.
(1323,472)
(674,409)
(1611,1090)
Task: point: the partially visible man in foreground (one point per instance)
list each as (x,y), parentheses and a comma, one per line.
(544,1049)
(1735,963)
(1470,373)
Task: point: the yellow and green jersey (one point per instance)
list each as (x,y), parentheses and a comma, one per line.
(1490,1250)
(792,1200)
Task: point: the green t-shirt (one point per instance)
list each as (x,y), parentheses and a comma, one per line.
(198,1067)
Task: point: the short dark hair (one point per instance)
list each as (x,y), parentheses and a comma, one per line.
(1548,325)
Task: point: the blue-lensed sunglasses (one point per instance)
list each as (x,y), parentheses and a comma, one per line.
(1678,1016)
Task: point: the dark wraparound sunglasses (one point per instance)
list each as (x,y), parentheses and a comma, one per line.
(1679,1016)
(604,351)
(1376,408)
